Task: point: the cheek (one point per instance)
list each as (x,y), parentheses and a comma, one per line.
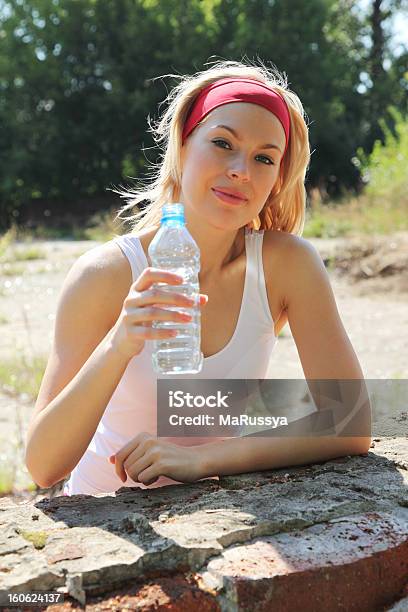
(269,182)
(196,172)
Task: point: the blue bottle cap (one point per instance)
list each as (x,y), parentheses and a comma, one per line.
(173,212)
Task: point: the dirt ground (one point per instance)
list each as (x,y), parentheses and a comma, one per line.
(369,277)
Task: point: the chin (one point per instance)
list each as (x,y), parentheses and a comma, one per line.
(227,227)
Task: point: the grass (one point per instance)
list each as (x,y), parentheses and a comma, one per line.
(9,269)
(22,376)
(8,239)
(100,227)
(29,254)
(9,477)
(19,377)
(356,216)
(103,227)
(14,475)
(10,252)
(382,207)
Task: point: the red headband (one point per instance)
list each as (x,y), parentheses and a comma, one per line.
(227,90)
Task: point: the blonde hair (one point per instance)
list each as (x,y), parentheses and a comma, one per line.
(284,209)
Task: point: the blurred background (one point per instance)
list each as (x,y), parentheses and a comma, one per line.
(76,90)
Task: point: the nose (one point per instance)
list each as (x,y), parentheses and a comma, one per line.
(239,170)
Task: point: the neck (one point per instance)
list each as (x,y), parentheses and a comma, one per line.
(218,249)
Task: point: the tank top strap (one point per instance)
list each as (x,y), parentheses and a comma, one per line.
(133,250)
(255,274)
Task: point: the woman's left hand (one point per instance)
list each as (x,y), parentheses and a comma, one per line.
(145,458)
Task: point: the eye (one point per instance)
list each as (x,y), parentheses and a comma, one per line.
(271,163)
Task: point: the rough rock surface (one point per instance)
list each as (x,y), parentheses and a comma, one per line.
(329,536)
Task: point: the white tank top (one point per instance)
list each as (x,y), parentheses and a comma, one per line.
(132,407)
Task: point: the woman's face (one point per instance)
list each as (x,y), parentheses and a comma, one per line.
(213,157)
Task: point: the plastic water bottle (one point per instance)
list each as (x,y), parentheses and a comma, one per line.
(174,249)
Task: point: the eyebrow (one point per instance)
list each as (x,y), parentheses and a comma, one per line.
(230,129)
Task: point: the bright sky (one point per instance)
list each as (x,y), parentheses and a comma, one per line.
(400,29)
(398,25)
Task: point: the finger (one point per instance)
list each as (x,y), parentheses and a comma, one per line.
(140,301)
(124,452)
(150,275)
(120,470)
(137,462)
(150,474)
(158,295)
(149,314)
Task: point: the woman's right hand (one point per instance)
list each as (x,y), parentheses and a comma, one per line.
(134,324)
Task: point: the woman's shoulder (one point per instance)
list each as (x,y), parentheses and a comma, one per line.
(284,258)
(285,242)
(110,256)
(283,248)
(112,267)
(107,258)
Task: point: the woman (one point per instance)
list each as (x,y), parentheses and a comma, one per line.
(236,155)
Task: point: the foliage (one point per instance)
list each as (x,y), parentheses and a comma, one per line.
(77,83)
(385,169)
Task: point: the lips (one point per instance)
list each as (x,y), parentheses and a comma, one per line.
(232,192)
(228,197)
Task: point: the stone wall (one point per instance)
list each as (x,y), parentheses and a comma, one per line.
(330,536)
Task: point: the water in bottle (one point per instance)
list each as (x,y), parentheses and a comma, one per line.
(174,249)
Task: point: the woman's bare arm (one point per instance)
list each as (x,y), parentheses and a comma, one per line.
(82,371)
(326,355)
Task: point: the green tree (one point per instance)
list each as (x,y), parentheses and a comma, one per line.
(78,83)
